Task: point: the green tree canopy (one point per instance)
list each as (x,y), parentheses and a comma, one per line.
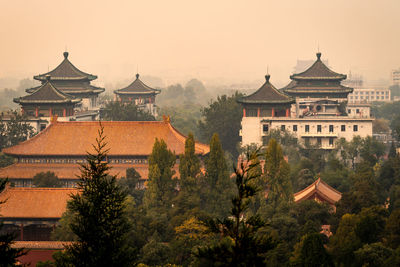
(223,116)
(46,179)
(14,130)
(117,111)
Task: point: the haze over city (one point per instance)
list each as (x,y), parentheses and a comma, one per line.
(218,42)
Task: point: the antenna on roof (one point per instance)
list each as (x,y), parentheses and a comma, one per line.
(267,69)
(318,48)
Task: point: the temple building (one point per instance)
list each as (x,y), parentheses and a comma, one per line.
(70,80)
(33,212)
(312,107)
(47,101)
(139,93)
(62,146)
(320,192)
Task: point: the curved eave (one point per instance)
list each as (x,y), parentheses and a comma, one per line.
(21,101)
(155,92)
(244,101)
(308,90)
(42,77)
(305,78)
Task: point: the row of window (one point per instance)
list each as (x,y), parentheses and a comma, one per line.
(372,97)
(319,141)
(307,128)
(372,92)
(79,161)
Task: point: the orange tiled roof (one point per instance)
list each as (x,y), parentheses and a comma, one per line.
(35,202)
(321,189)
(40,244)
(68,171)
(125,138)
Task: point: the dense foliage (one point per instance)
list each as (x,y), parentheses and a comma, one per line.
(117,111)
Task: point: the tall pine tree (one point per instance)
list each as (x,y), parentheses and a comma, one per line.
(218,187)
(277,172)
(99,220)
(161,185)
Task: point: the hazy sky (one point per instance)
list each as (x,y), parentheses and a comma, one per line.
(213,40)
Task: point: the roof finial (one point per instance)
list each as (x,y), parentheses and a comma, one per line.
(137,75)
(66,54)
(267,77)
(319,55)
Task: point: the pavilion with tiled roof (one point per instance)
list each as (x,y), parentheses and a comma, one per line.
(70,80)
(139,93)
(318,81)
(62,146)
(319,191)
(47,101)
(266,102)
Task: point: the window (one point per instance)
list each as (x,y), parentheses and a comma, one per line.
(355,128)
(349,111)
(319,141)
(265,128)
(356,97)
(319,128)
(331,141)
(331,128)
(282,127)
(251,112)
(343,128)
(357,111)
(307,129)
(295,128)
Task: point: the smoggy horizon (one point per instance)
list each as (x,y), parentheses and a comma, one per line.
(218,42)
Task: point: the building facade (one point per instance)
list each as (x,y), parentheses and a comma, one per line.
(140,94)
(395,77)
(315,110)
(368,95)
(63,146)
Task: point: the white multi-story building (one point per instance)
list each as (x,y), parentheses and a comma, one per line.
(368,95)
(312,107)
(395,76)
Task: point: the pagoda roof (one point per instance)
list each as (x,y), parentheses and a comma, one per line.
(318,71)
(41,203)
(137,87)
(267,94)
(66,71)
(295,87)
(46,93)
(318,190)
(124,138)
(73,88)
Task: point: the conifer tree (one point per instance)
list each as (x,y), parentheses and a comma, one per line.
(8,255)
(218,184)
(161,185)
(99,220)
(277,172)
(189,169)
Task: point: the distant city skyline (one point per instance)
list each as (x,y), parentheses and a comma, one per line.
(218,42)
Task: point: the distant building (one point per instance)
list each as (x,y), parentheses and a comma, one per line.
(62,146)
(312,107)
(354,80)
(395,77)
(368,95)
(140,94)
(70,80)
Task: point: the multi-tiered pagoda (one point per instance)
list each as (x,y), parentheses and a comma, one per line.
(47,101)
(312,108)
(70,80)
(139,93)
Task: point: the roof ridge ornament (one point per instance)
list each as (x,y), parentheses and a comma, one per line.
(318,55)
(65,54)
(267,77)
(137,75)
